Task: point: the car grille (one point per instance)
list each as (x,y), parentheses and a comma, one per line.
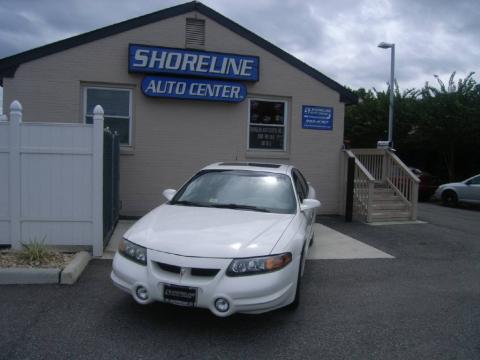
(193,271)
(169,268)
(204,272)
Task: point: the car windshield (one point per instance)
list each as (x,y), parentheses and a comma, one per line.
(239,189)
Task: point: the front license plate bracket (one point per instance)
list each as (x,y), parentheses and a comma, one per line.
(180,295)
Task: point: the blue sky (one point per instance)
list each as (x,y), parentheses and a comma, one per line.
(338,37)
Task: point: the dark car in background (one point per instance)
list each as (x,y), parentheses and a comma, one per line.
(428,184)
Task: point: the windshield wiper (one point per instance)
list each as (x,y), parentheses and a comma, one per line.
(240,207)
(189,203)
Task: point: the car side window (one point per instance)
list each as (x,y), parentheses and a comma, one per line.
(475,181)
(301,190)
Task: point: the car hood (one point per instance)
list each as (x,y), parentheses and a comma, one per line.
(209,232)
(453,184)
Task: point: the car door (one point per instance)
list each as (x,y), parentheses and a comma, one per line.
(472,190)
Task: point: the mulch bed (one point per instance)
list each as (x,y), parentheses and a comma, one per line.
(9,259)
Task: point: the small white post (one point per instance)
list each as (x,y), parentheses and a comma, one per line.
(15,223)
(371,186)
(384,165)
(97,181)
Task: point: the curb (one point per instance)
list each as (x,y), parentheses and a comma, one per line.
(74,269)
(67,276)
(10,276)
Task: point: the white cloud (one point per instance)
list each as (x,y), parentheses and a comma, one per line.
(338,37)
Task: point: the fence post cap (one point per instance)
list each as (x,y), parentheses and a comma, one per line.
(98,110)
(15,106)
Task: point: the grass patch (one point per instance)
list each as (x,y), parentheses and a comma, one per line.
(35,252)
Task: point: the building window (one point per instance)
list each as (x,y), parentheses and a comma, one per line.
(117,107)
(267,125)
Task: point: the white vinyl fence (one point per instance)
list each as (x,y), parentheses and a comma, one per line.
(51,184)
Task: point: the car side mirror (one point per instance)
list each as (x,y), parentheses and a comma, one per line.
(169,193)
(308,204)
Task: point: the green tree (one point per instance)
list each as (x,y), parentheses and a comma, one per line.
(435,128)
(449,123)
(367,122)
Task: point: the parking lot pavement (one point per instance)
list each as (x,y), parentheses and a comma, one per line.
(424,304)
(449,233)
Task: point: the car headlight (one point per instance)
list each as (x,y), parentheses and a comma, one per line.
(133,251)
(258,265)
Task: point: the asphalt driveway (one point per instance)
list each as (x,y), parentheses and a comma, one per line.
(425,303)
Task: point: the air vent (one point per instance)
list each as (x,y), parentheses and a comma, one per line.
(195,33)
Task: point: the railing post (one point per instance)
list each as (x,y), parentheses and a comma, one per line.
(384,165)
(349,197)
(97,211)
(370,200)
(14,172)
(414,201)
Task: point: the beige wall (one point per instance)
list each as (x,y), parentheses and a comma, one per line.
(174,138)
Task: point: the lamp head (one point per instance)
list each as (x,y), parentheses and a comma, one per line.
(385,45)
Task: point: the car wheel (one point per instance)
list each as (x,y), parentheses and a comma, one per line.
(296,301)
(449,198)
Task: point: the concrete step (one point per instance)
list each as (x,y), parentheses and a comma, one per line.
(385,197)
(398,219)
(389,205)
(390,215)
(383,191)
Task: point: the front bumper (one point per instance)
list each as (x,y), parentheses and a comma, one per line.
(246,294)
(437,195)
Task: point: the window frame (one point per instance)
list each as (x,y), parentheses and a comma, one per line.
(302,192)
(285,125)
(130,107)
(303,182)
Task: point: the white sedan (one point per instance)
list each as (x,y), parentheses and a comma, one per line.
(467,191)
(233,239)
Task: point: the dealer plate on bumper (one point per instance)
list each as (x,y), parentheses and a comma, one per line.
(179,295)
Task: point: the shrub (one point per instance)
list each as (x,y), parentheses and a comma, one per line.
(35,252)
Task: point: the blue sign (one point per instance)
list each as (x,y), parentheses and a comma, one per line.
(317,117)
(154,59)
(196,89)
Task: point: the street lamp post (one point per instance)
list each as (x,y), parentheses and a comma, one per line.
(385,45)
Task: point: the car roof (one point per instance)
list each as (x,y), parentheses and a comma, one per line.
(251,166)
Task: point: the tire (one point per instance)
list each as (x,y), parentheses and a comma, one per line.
(449,198)
(296,301)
